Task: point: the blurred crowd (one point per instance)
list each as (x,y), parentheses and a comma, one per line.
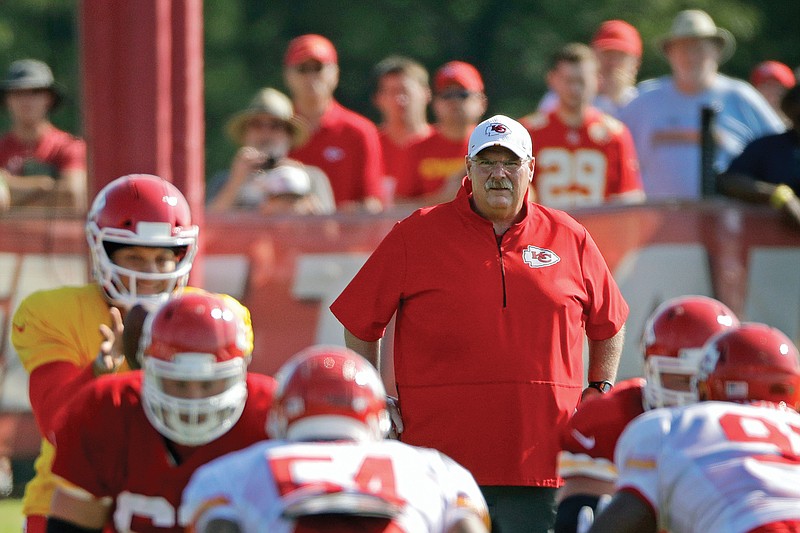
(599,135)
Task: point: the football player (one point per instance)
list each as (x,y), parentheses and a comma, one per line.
(130,442)
(333,470)
(142,243)
(729,464)
(672,345)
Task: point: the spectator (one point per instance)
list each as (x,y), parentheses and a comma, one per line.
(479,367)
(330,411)
(585,157)
(672,342)
(265,132)
(436,165)
(128,444)
(727,464)
(665,119)
(40,165)
(142,244)
(619,52)
(344,144)
(402,95)
(772,79)
(768,170)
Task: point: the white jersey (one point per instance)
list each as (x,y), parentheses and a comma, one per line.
(714,467)
(255,486)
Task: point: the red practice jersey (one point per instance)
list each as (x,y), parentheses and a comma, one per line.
(590,437)
(431,163)
(346,147)
(108,448)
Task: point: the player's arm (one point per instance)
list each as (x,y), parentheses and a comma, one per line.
(626,513)
(584,462)
(50,387)
(74,510)
(469,523)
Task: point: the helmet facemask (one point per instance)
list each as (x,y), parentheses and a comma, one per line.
(668,379)
(190,420)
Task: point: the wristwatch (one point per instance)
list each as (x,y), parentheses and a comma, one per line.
(603,386)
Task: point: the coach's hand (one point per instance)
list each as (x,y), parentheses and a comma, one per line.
(393,407)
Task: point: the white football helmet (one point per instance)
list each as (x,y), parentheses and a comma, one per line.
(194,350)
(139,210)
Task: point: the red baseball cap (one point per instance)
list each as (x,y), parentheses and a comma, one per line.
(458,73)
(772,70)
(618,35)
(307,47)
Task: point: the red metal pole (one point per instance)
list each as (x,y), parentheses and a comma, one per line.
(142,65)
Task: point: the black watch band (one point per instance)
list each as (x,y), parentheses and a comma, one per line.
(603,386)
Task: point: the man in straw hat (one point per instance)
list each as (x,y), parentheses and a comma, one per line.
(39,164)
(261,171)
(665,119)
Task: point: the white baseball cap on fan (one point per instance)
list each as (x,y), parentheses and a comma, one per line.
(501,130)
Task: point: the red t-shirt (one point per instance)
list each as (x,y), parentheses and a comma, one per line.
(346,147)
(489,336)
(431,163)
(107,447)
(583,166)
(396,158)
(55,152)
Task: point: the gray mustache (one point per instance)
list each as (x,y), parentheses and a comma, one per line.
(498,183)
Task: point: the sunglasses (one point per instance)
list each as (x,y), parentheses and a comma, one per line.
(453,95)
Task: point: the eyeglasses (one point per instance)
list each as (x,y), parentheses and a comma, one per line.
(510,166)
(453,95)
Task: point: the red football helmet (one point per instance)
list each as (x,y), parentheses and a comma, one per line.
(139,210)
(672,344)
(194,351)
(748,363)
(328,393)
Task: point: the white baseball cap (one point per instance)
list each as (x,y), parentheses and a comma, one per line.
(287,179)
(501,130)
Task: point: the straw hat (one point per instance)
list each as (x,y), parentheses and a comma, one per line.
(694,23)
(269,101)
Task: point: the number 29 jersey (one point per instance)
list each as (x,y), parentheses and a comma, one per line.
(259,483)
(716,467)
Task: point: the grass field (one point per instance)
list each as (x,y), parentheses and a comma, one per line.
(10,516)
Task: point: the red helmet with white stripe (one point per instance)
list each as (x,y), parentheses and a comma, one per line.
(139,210)
(749,363)
(328,393)
(672,345)
(194,350)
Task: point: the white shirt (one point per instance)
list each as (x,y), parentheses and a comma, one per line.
(666,128)
(259,482)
